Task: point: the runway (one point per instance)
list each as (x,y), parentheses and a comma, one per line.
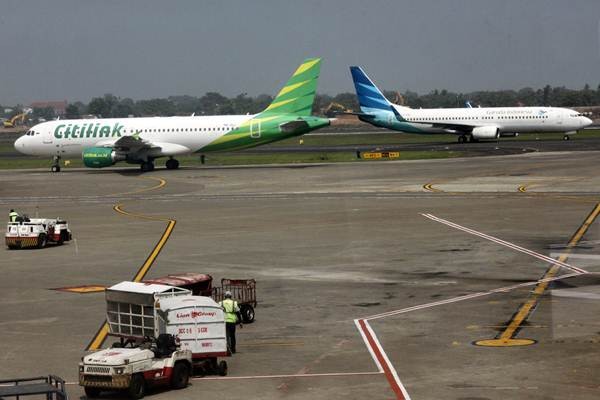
(432,256)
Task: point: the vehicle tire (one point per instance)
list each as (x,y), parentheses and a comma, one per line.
(462,139)
(181,375)
(222,370)
(91,392)
(55,168)
(247,312)
(137,387)
(61,238)
(172,163)
(566,137)
(42,240)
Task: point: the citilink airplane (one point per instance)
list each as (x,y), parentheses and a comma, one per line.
(103,142)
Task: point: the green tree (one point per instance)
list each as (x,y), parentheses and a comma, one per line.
(72,112)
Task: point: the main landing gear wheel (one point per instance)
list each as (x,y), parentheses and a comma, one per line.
(472,139)
(566,137)
(172,163)
(55,164)
(147,166)
(462,139)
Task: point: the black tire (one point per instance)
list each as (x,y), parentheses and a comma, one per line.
(55,168)
(462,139)
(61,238)
(247,312)
(566,137)
(172,163)
(147,166)
(92,392)
(222,370)
(181,375)
(137,387)
(42,241)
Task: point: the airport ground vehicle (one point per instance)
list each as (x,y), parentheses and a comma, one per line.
(36,232)
(165,333)
(242,290)
(51,386)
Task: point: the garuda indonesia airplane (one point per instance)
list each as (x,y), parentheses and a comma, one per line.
(468,123)
(103,142)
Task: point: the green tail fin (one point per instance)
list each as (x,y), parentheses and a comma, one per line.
(298,94)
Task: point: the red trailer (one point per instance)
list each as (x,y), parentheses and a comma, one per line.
(242,290)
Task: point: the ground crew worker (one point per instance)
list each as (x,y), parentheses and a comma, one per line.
(12,215)
(232,316)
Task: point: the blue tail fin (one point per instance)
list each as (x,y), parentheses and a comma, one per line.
(369,96)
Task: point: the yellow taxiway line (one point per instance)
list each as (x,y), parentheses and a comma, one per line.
(507,337)
(100,336)
(429,187)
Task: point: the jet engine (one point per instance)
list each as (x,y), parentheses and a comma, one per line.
(485,132)
(99,157)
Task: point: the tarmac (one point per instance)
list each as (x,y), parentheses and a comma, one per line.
(386,279)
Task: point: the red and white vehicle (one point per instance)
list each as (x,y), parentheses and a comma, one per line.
(165,332)
(36,232)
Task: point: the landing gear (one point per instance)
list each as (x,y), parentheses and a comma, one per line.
(147,166)
(172,163)
(55,164)
(566,137)
(473,139)
(462,139)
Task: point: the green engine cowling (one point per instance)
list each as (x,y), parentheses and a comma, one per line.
(98,157)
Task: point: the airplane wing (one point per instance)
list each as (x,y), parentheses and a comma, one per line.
(137,147)
(132,143)
(450,127)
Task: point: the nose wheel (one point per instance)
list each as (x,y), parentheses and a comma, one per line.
(55,164)
(172,163)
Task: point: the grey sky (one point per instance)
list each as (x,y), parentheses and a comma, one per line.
(79,49)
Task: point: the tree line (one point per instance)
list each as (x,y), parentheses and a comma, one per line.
(212,103)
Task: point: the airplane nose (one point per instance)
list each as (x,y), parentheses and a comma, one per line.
(20,145)
(586,121)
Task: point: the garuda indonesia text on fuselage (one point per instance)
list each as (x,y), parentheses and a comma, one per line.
(467,123)
(103,142)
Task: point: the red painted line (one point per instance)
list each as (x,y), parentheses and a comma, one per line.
(388,369)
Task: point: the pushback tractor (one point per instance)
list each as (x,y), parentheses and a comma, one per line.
(165,334)
(36,232)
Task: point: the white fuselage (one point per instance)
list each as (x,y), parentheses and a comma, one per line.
(505,119)
(177,135)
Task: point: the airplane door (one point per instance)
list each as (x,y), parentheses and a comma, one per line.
(255,129)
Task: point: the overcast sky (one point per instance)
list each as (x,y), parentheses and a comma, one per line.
(76,49)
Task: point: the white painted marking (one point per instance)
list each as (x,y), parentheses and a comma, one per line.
(505,243)
(221,378)
(468,297)
(371,351)
(387,361)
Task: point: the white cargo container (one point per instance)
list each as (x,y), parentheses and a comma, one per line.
(198,322)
